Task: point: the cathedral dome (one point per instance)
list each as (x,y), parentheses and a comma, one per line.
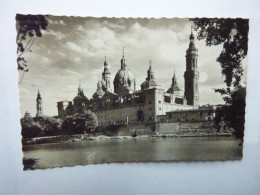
(124,78)
(77,97)
(119,78)
(80,96)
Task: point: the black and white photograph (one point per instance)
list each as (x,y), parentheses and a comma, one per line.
(97,90)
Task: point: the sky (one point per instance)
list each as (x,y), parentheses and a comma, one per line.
(74,48)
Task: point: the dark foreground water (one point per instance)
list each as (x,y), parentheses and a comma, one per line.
(133,150)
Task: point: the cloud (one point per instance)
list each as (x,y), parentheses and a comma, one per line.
(56,34)
(74,48)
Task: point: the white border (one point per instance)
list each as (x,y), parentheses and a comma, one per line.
(238,177)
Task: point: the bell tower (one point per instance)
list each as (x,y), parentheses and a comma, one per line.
(106,77)
(191,75)
(39,104)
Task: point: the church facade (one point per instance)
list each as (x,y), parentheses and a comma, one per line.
(125,104)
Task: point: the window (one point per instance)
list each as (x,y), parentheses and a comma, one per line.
(160,101)
(160,108)
(167,99)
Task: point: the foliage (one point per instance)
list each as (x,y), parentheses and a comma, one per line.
(233,35)
(28,27)
(30,128)
(50,125)
(233,112)
(29,163)
(80,123)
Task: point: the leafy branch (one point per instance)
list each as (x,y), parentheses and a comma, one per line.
(27,26)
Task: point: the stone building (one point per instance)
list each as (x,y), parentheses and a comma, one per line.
(203,114)
(128,105)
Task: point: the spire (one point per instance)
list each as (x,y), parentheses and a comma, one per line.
(123,60)
(79,88)
(39,95)
(174,79)
(191,34)
(150,74)
(105,63)
(192,46)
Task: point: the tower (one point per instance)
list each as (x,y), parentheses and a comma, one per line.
(150,81)
(99,93)
(106,77)
(174,89)
(191,75)
(39,104)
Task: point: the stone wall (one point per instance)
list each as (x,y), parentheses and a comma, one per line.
(185,128)
(165,128)
(131,129)
(195,128)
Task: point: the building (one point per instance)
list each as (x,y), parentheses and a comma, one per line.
(127,105)
(39,105)
(202,114)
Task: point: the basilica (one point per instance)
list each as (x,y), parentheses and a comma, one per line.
(123,103)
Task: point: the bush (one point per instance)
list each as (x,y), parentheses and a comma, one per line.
(51,125)
(233,112)
(80,123)
(30,128)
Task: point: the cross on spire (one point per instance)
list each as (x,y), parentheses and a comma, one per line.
(191,34)
(79,83)
(150,64)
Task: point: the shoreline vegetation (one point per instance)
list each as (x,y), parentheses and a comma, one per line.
(89,137)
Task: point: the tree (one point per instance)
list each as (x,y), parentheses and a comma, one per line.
(30,128)
(28,27)
(50,125)
(233,35)
(235,110)
(80,122)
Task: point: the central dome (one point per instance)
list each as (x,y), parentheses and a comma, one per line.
(124,79)
(123,73)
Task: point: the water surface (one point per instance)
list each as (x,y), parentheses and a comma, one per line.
(134,150)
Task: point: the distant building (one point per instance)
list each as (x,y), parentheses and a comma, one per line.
(126,104)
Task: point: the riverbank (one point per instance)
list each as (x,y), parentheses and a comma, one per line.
(89,137)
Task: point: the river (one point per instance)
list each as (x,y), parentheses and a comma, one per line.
(133,150)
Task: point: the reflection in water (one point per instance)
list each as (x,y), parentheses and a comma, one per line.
(133,150)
